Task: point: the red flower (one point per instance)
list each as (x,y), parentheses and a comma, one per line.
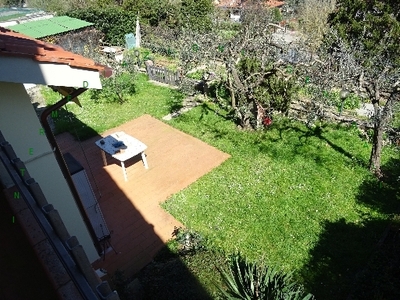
(267,121)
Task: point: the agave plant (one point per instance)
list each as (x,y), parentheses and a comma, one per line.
(254,281)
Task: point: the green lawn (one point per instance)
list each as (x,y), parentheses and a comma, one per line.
(285,193)
(97,117)
(300,198)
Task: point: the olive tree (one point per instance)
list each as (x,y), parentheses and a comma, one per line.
(369,32)
(258,70)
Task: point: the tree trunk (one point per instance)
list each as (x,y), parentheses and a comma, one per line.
(260,115)
(381,121)
(375,158)
(231,91)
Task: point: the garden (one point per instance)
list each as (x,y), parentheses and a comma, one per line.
(300,199)
(306,206)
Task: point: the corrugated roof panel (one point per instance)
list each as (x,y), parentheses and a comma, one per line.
(79,23)
(32,32)
(17,27)
(51,29)
(56,25)
(62,18)
(71,23)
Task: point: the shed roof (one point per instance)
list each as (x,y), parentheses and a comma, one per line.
(52,26)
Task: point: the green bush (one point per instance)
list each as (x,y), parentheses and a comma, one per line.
(276,15)
(189,241)
(198,75)
(219,91)
(395,122)
(274,92)
(228,34)
(114,22)
(352,101)
(196,14)
(230,26)
(250,281)
(153,46)
(280,93)
(115,89)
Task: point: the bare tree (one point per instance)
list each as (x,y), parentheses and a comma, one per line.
(313,18)
(350,68)
(255,55)
(254,62)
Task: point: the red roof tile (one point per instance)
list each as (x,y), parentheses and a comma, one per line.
(274,3)
(243,3)
(229,3)
(19,45)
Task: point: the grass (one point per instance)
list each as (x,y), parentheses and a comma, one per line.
(281,191)
(302,199)
(96,117)
(178,276)
(166,61)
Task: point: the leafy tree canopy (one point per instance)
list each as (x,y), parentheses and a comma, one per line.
(375,24)
(151,11)
(196,14)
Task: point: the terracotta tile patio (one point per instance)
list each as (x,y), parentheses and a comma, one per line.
(132,209)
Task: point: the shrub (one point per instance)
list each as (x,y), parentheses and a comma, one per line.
(220,92)
(247,280)
(115,89)
(276,15)
(273,91)
(198,75)
(112,21)
(189,241)
(352,101)
(196,14)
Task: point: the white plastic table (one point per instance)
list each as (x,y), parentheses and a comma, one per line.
(130,148)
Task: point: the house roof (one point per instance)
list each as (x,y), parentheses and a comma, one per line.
(229,3)
(18,45)
(51,26)
(242,3)
(274,3)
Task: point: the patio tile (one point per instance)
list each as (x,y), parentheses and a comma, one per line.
(132,209)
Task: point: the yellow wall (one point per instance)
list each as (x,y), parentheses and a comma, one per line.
(22,129)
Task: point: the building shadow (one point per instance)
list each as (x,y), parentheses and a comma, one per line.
(361,260)
(134,242)
(22,277)
(166,277)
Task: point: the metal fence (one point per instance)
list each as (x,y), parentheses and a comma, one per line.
(163,75)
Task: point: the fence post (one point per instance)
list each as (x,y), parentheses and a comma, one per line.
(163,75)
(177,77)
(168,77)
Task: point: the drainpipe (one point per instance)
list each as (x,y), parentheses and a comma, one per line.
(63,165)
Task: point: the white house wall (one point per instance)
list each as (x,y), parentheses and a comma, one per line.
(22,129)
(26,70)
